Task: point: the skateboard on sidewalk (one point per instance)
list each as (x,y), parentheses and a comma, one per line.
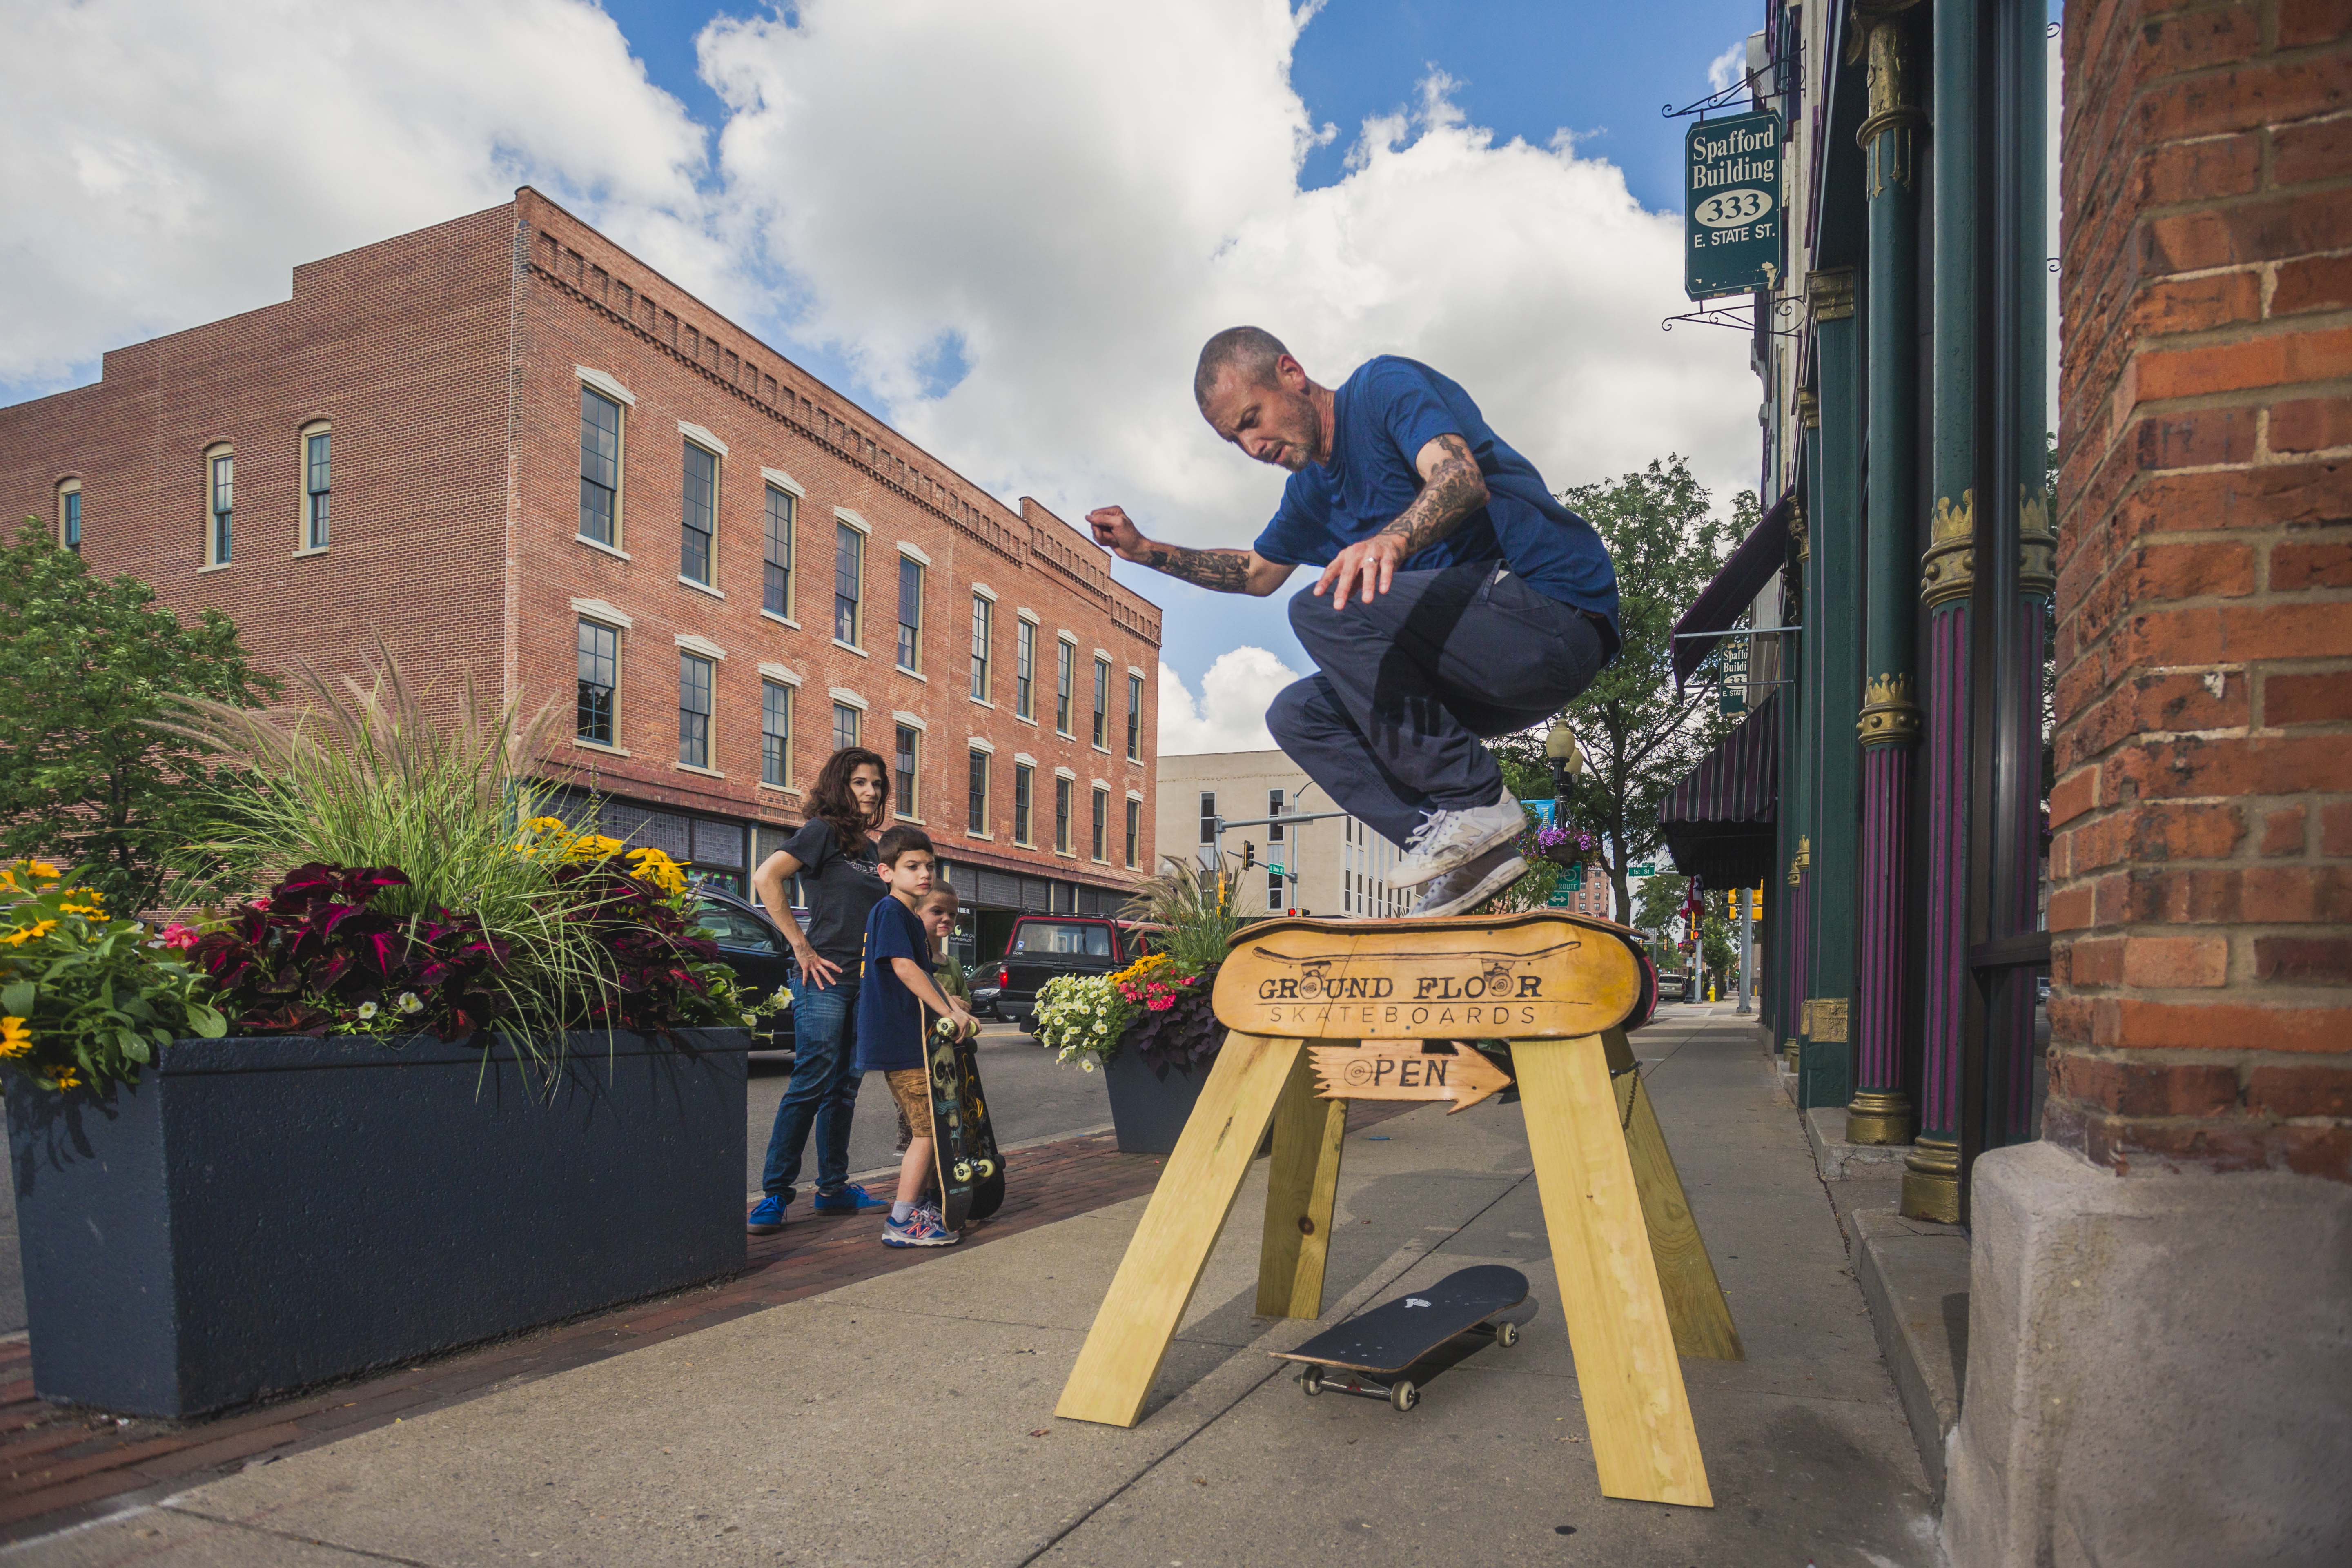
(958,1166)
(1370,1355)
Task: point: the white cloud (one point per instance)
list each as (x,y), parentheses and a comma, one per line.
(1075,204)
(1729,66)
(169,164)
(1231,714)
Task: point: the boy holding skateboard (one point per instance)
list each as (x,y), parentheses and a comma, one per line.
(896,987)
(938,913)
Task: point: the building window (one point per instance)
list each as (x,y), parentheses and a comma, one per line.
(694,710)
(1274,808)
(698,527)
(600,467)
(600,677)
(1063,790)
(1025,671)
(1065,676)
(776,590)
(1102,825)
(904,758)
(1208,817)
(849,580)
(775,733)
(1135,718)
(1274,890)
(1024,776)
(221,470)
(910,614)
(976,796)
(984,616)
(1102,705)
(1134,831)
(318,482)
(845,726)
(69,514)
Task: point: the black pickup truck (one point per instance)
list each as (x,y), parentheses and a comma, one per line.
(1043,946)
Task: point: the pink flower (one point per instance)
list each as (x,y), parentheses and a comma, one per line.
(1160,1004)
(179,936)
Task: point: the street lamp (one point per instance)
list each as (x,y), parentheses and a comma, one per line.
(1567,762)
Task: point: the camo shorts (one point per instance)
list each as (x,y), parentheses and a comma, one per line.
(911,1087)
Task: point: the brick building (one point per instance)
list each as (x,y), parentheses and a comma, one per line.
(516,453)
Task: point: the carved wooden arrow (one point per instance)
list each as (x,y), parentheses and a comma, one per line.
(1400,1069)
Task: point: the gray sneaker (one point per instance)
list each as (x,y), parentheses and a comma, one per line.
(1466,886)
(1446,839)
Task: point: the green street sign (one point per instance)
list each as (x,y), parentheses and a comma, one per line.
(1641,870)
(1562,895)
(1731,204)
(1274,867)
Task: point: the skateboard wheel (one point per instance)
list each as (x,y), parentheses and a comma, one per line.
(1403,1395)
(1311,1383)
(987,1169)
(1506,1335)
(963,1171)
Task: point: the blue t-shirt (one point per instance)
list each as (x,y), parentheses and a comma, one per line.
(1387,412)
(890,1017)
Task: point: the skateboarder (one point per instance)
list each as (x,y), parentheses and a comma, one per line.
(896,988)
(1480,604)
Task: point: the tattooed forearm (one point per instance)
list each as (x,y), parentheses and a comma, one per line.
(1219,571)
(1447,497)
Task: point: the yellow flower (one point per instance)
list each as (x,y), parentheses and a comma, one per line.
(593,847)
(15,1038)
(658,868)
(546,825)
(30,933)
(1139,968)
(91,910)
(43,868)
(66,1078)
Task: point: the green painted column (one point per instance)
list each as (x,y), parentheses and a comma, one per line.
(1888,725)
(1796,804)
(1834,642)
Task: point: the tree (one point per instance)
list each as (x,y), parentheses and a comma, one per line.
(1639,735)
(85,779)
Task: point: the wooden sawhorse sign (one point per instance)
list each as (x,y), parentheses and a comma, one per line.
(1635,1284)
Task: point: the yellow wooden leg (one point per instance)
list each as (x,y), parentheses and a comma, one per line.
(1635,1407)
(1170,1247)
(1694,1303)
(1300,1185)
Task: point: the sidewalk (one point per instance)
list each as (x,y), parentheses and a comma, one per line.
(907,1417)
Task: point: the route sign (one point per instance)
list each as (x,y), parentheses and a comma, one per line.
(1731,204)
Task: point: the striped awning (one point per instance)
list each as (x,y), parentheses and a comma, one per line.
(1719,821)
(1723,601)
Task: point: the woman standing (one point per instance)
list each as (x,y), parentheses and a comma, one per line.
(833,854)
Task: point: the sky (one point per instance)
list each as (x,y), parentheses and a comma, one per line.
(1005,228)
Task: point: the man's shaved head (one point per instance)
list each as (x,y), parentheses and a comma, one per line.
(1252,350)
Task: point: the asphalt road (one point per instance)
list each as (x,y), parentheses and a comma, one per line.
(1030,1096)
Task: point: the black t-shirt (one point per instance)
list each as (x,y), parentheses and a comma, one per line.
(841,890)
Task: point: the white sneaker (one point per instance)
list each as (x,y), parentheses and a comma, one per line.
(1467,887)
(1447,838)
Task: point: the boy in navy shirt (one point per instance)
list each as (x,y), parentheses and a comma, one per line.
(896,988)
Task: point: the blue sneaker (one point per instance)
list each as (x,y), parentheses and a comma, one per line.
(767,1215)
(848,1198)
(920,1228)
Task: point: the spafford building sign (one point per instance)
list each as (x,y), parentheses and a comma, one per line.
(1731,205)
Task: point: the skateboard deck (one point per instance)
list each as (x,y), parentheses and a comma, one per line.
(1391,1337)
(951,1155)
(980,1133)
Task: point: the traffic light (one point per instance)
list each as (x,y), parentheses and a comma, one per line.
(1249,854)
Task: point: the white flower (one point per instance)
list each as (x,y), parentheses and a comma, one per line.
(409,1002)
(1087,1065)
(367,1011)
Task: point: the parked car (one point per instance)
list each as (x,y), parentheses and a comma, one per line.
(1043,946)
(750,945)
(1674,987)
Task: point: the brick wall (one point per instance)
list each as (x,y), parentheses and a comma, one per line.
(2202,868)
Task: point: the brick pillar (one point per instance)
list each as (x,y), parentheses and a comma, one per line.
(2174,1260)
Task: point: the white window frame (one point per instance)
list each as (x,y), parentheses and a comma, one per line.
(715,449)
(625,403)
(795,493)
(841,515)
(303,492)
(909,556)
(70,488)
(213,454)
(595,612)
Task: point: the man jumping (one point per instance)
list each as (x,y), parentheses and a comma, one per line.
(1458,600)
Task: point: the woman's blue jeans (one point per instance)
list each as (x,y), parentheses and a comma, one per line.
(824,1091)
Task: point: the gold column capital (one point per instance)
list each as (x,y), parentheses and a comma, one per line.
(2037,544)
(1948,570)
(1889,716)
(1830,294)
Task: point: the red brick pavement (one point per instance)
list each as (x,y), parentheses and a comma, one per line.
(59,1466)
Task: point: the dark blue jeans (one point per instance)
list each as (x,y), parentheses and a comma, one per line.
(824,1091)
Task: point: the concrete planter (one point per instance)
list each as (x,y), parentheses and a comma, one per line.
(1148,1111)
(256,1216)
